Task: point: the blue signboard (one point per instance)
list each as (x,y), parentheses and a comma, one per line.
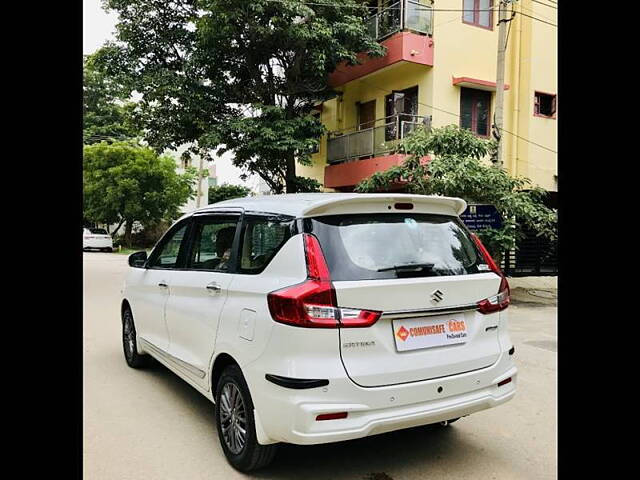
(477,217)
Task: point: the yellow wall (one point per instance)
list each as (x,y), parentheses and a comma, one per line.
(469,51)
(538,72)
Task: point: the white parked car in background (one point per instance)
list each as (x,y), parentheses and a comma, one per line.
(315,318)
(96,238)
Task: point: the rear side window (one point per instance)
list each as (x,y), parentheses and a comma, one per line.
(262,238)
(378,246)
(212,245)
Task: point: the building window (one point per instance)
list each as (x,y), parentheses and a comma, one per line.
(401,110)
(478,13)
(544,105)
(185,160)
(475,110)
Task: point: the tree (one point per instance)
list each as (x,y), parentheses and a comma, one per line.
(106,115)
(456,169)
(125,183)
(236,75)
(226,192)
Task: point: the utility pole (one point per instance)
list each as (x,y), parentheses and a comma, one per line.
(199,182)
(502,46)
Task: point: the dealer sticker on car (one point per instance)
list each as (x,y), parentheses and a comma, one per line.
(415,333)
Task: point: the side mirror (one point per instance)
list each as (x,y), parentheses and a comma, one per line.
(138,259)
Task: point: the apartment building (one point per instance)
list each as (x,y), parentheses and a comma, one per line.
(440,69)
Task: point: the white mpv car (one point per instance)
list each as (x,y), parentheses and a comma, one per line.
(314,318)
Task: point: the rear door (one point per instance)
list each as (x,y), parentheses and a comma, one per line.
(199,291)
(425,274)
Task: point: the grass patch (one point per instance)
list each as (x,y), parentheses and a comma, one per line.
(129,251)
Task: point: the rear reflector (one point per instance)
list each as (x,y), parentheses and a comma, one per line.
(504,382)
(331,416)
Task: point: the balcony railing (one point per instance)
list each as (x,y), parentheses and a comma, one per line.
(415,15)
(378,139)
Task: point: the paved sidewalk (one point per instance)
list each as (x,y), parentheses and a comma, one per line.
(540,283)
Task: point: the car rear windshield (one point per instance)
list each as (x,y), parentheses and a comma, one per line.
(378,246)
(99,231)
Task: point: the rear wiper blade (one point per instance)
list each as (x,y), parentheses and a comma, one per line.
(408,266)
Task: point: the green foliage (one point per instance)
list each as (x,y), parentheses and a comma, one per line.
(106,117)
(230,74)
(261,142)
(457,170)
(305,184)
(226,192)
(125,182)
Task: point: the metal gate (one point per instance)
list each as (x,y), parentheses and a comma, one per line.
(535,256)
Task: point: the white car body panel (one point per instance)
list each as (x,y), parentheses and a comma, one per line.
(380,388)
(315,204)
(396,295)
(192,313)
(147,300)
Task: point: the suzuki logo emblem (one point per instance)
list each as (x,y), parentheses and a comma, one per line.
(436,296)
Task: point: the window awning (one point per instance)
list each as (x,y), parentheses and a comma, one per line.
(476,83)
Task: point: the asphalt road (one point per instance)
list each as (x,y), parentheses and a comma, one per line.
(150,424)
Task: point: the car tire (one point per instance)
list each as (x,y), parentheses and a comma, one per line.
(110,250)
(243,452)
(129,342)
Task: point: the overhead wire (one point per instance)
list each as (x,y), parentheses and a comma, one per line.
(545,4)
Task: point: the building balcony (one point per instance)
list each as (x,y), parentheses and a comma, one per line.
(405,29)
(355,155)
(380,138)
(413,15)
(347,175)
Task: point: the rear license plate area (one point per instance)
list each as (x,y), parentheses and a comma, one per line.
(429,332)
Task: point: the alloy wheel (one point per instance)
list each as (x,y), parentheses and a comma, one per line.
(128,336)
(233,419)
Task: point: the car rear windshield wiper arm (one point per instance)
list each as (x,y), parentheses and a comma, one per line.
(408,266)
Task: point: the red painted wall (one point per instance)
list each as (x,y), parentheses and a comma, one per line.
(399,48)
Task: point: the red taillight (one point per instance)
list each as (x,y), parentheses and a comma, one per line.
(487,256)
(500,301)
(332,416)
(317,268)
(313,303)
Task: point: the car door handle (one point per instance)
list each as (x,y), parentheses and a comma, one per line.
(214,287)
(163,284)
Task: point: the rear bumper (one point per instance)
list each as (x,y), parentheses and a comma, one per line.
(98,244)
(285,415)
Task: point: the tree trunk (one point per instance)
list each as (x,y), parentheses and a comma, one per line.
(290,179)
(127,233)
(113,235)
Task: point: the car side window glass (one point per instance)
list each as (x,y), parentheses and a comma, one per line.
(168,255)
(262,239)
(212,244)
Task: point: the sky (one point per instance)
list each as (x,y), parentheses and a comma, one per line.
(98,26)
